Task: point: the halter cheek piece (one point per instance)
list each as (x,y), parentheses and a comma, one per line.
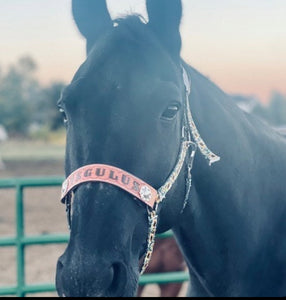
(137,187)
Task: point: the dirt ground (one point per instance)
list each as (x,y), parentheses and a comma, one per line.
(44,214)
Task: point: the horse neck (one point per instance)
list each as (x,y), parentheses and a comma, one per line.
(220,232)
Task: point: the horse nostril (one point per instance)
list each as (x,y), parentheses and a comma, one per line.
(119,278)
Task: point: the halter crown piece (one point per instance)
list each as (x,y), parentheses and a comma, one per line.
(137,187)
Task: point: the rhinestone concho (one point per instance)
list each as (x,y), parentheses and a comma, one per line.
(145,193)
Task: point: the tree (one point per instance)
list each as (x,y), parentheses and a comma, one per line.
(18,91)
(277,109)
(275,112)
(48,112)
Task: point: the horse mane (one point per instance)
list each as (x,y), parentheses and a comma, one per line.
(213,97)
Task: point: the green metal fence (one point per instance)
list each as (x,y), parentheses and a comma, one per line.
(21,240)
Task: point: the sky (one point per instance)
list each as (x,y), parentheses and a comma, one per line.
(238,44)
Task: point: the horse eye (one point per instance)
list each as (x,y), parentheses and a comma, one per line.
(171,112)
(64,115)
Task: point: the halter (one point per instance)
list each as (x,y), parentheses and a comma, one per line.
(137,187)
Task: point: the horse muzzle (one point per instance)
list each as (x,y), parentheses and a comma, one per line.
(91,278)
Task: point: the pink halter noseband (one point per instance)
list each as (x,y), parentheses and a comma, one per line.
(112,175)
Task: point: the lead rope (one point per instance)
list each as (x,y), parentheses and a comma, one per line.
(153,214)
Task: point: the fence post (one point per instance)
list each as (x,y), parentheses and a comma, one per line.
(20,247)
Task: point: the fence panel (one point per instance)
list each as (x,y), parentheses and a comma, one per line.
(20,241)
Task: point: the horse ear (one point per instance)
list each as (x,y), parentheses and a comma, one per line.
(92,19)
(164,20)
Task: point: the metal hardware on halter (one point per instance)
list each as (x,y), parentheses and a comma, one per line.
(189,175)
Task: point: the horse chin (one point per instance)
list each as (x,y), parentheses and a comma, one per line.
(126,287)
(129,291)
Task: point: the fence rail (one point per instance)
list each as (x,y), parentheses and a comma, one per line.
(20,241)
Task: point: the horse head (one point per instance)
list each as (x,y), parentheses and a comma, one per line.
(123,109)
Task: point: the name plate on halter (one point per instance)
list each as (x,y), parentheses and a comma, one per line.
(114,176)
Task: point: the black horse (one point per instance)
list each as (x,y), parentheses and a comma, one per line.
(125,108)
